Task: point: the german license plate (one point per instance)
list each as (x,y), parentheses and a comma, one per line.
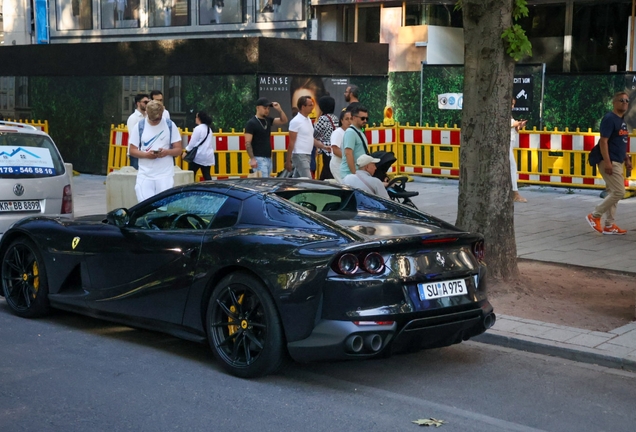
(433,290)
(16,206)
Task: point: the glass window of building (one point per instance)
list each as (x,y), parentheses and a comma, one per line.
(1,22)
(278,10)
(7,95)
(221,12)
(443,15)
(599,35)
(22,92)
(168,13)
(120,14)
(174,94)
(132,86)
(545,27)
(74,14)
(369,24)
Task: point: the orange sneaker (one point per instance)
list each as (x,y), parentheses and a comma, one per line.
(595,223)
(614,230)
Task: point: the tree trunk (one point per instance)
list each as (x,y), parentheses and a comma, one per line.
(485,201)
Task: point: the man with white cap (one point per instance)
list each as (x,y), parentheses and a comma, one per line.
(363,178)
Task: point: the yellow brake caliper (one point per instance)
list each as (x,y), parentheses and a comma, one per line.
(36,279)
(234,328)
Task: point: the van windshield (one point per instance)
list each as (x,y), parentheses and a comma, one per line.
(28,156)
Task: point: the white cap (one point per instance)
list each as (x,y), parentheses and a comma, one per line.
(365,160)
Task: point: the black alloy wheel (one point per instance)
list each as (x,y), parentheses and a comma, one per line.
(243,326)
(24,281)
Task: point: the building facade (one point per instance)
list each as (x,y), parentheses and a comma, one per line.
(77,21)
(567,35)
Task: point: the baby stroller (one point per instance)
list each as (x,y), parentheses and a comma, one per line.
(397,185)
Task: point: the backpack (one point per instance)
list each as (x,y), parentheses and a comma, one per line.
(595,156)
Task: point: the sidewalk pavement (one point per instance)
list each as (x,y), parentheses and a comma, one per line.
(551,227)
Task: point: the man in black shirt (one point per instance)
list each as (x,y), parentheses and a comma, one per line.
(258,131)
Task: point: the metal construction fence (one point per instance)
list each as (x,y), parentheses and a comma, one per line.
(555,158)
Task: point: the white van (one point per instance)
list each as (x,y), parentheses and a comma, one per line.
(33,178)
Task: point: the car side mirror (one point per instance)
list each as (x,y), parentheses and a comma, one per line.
(118,217)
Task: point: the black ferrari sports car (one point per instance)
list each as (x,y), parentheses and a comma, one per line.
(260,269)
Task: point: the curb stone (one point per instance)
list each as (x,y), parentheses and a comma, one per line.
(555,349)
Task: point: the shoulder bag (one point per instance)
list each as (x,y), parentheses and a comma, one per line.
(366,150)
(189,156)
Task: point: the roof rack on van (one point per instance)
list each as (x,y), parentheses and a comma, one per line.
(23,125)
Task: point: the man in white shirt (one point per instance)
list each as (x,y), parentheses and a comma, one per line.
(140,113)
(156,149)
(158,96)
(363,178)
(301,140)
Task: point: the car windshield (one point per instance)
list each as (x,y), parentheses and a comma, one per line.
(26,156)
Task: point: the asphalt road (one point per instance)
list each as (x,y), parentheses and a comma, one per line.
(71,373)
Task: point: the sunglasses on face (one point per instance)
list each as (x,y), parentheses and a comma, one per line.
(624,100)
(362,118)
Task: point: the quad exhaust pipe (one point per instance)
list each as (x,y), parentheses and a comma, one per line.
(371,342)
(354,344)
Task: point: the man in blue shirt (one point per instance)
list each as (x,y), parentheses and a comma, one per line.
(613,147)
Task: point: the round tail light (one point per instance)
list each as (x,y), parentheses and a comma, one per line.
(374,263)
(479,250)
(348,264)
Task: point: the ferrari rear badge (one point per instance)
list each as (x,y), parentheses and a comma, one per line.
(440,259)
(75,242)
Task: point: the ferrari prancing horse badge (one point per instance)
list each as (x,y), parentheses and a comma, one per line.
(75,242)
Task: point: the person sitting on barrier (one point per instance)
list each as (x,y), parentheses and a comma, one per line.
(156,142)
(515,126)
(363,178)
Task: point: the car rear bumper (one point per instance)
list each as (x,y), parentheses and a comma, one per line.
(334,340)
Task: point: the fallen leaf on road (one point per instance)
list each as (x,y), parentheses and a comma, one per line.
(429,422)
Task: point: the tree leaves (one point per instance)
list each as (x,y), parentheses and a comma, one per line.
(429,422)
(517,43)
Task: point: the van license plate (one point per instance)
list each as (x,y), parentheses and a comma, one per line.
(17,206)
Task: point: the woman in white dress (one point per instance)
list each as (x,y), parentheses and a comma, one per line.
(336,145)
